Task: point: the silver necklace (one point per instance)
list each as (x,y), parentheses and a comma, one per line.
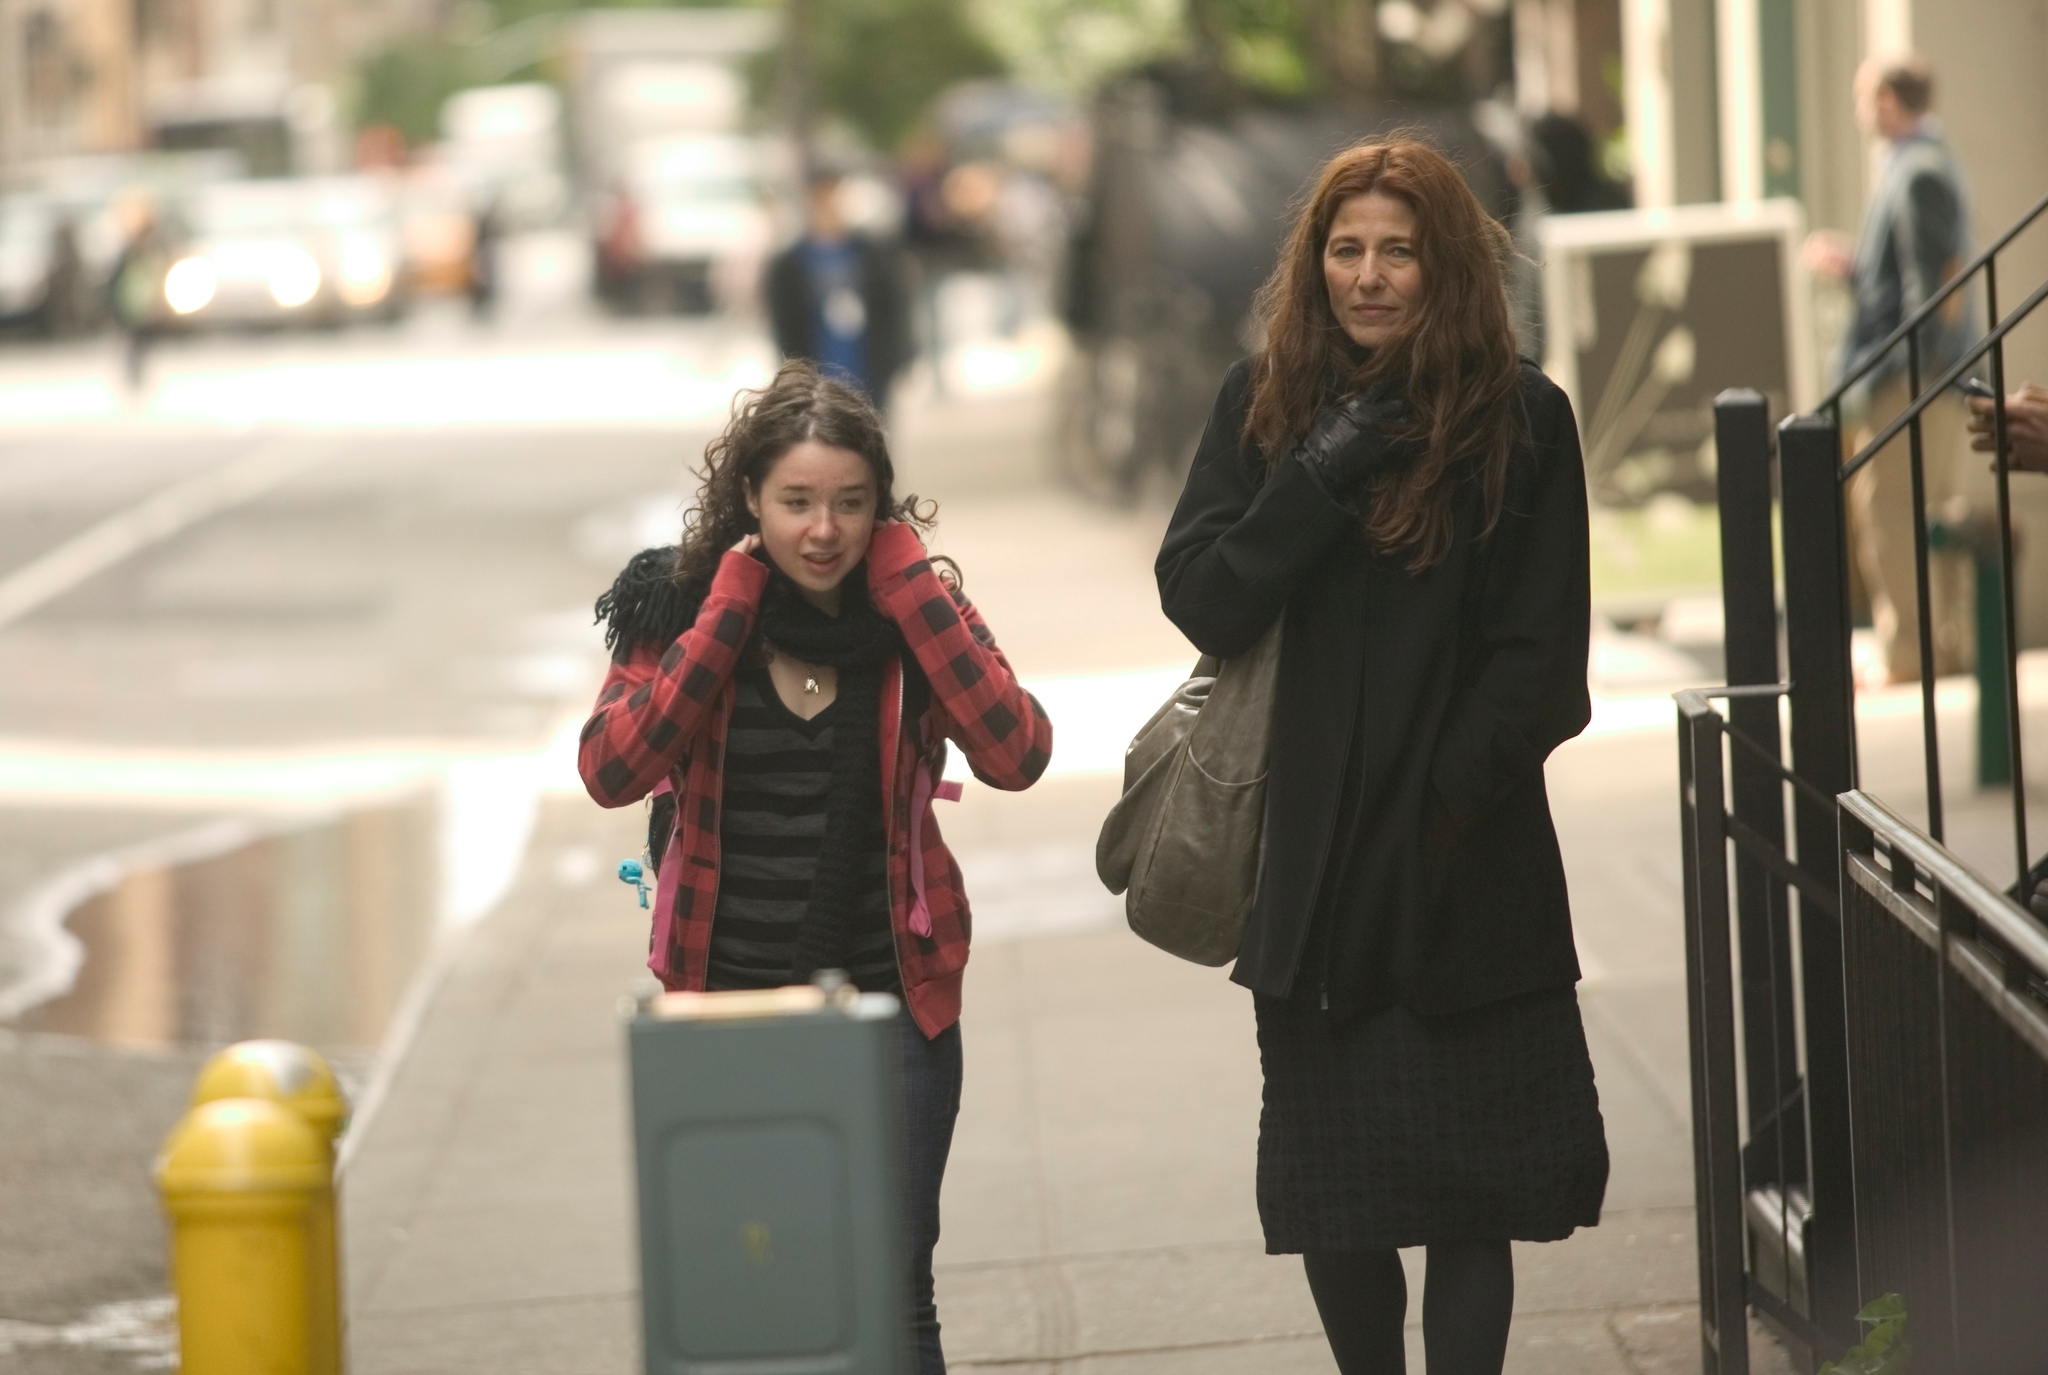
(810,680)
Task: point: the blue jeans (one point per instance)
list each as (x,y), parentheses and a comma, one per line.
(931,1103)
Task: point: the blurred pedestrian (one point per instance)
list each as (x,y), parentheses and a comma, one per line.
(138,283)
(937,244)
(1554,165)
(1565,164)
(484,253)
(1915,236)
(1389,481)
(840,299)
(62,284)
(1030,226)
(766,672)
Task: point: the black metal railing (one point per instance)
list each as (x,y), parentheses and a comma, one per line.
(1948,1072)
(1759,1214)
(1868,1116)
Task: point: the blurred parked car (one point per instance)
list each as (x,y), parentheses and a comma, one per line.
(42,276)
(685,229)
(321,250)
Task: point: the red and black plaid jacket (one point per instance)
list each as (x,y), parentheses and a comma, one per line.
(664,712)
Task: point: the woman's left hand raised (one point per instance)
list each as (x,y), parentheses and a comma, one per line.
(1353,439)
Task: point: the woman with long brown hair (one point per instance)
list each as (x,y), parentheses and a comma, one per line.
(1388,481)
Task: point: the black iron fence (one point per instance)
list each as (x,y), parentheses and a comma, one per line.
(1869,1044)
(1948,1073)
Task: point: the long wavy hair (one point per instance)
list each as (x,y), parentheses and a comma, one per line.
(1456,359)
(800,405)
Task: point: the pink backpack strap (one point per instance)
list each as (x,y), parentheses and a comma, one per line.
(926,786)
(662,940)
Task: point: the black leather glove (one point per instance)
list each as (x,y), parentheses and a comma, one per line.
(1351,440)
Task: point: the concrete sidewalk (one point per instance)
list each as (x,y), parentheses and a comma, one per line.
(1099,1214)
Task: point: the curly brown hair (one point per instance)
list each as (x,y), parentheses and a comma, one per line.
(1457,362)
(800,405)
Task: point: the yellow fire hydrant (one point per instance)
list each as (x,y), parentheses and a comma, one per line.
(243,1182)
(255,1247)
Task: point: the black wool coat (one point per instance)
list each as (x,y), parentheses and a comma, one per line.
(1409,849)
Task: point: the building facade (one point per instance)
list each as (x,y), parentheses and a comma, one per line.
(95,76)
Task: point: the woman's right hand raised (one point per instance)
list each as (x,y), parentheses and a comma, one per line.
(746,544)
(1353,439)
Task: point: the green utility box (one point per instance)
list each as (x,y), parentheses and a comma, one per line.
(768,1131)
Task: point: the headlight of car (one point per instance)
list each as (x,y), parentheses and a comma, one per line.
(365,271)
(294,277)
(189,285)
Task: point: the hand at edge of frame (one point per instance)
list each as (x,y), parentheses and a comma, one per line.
(2026,427)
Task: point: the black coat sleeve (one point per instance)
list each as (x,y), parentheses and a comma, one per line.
(886,294)
(789,304)
(1242,538)
(1525,693)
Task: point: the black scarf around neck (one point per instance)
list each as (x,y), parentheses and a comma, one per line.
(858,642)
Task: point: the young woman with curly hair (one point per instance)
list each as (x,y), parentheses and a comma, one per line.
(790,675)
(1389,482)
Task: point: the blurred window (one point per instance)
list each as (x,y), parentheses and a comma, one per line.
(349,207)
(714,168)
(246,210)
(24,223)
(55,74)
(263,142)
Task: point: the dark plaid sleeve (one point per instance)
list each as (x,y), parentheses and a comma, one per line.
(654,702)
(1001,728)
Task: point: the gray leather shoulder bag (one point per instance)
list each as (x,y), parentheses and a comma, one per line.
(1184,842)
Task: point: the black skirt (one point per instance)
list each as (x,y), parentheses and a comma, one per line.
(1396,1129)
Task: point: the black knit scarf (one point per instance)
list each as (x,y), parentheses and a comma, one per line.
(858,642)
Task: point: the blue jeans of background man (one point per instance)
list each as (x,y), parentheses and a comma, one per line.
(931,1103)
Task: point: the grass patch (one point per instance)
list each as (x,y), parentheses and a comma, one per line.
(1669,547)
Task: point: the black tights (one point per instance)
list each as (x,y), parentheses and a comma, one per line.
(1467,1300)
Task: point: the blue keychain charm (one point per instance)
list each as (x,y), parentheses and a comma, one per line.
(630,871)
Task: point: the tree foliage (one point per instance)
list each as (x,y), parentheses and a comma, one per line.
(404,83)
(878,64)
(1070,46)
(1289,47)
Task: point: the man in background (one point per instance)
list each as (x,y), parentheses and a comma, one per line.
(1915,236)
(839,299)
